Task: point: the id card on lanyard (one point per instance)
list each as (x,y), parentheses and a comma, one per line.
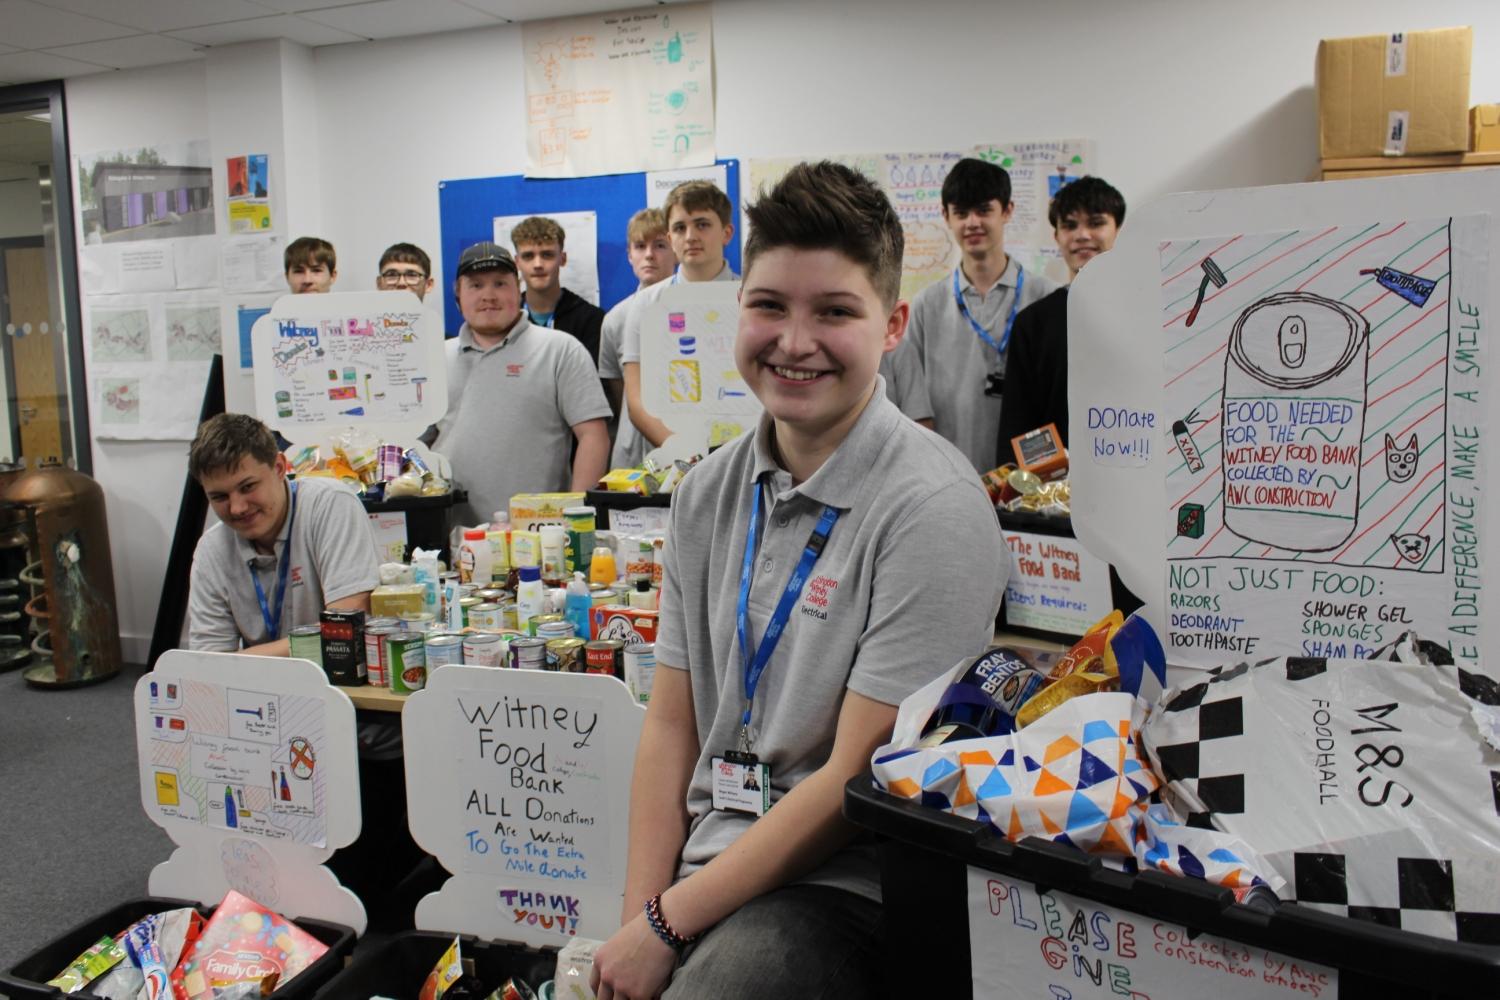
(272,618)
(1010,320)
(741,782)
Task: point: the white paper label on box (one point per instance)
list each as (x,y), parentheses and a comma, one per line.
(1395,55)
(1395,133)
(1026,942)
(1055,584)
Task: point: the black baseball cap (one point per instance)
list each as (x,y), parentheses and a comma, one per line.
(486,256)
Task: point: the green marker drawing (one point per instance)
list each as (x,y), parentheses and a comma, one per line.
(674,48)
(676,100)
(1007,162)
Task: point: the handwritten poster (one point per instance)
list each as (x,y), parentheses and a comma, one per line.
(914,184)
(688,374)
(147,359)
(235,759)
(1055,584)
(619,92)
(524,796)
(1322,396)
(1028,942)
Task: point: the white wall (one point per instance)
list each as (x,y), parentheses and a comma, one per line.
(1178,94)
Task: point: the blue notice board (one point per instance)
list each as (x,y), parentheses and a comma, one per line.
(467,211)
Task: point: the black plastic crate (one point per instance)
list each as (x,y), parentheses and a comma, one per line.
(398,967)
(924,856)
(27,979)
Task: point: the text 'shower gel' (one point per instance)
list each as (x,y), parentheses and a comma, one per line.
(1294,411)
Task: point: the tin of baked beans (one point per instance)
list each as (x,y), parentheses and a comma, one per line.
(482,649)
(406,654)
(487,617)
(605,656)
(528,653)
(566,656)
(307,643)
(443,649)
(377,657)
(538,622)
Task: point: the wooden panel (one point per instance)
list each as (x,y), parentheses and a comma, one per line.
(38,404)
(1347,175)
(1401,164)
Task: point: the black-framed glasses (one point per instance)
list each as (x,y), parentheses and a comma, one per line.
(402,277)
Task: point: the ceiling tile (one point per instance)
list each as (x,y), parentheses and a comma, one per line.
(296,29)
(395,18)
(534,10)
(130,53)
(25,67)
(299,6)
(163,15)
(35,26)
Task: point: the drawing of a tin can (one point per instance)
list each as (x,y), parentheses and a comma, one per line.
(1293,422)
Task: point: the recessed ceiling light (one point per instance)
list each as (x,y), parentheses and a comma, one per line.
(41,116)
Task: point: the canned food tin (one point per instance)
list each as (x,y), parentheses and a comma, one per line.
(388,459)
(307,643)
(515,989)
(605,656)
(344,646)
(443,649)
(482,649)
(377,656)
(640,669)
(465,605)
(566,656)
(491,595)
(555,630)
(407,657)
(383,622)
(600,595)
(510,616)
(537,623)
(528,653)
(424,622)
(486,616)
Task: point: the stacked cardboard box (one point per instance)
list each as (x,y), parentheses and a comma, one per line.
(1394,95)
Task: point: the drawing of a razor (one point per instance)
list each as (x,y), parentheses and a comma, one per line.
(417,381)
(258,713)
(727,393)
(1211,273)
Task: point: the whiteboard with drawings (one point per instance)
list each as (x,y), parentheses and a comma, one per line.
(1309,438)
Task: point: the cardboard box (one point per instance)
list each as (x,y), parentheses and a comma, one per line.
(1394,95)
(529,511)
(1484,128)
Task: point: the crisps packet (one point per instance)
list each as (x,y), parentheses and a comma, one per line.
(94,962)
(444,974)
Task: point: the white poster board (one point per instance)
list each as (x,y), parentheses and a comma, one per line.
(689,379)
(1055,584)
(250,764)
(619,92)
(372,360)
(580,274)
(1024,942)
(519,782)
(1312,419)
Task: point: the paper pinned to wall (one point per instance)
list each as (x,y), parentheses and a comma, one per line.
(581,243)
(619,92)
(659,183)
(146,359)
(252,264)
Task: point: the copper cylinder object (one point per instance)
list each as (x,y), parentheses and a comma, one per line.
(64,511)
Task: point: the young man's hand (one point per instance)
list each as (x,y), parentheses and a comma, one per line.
(634,964)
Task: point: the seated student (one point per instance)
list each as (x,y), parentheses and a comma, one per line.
(652,260)
(698,224)
(405,265)
(518,396)
(960,326)
(904,572)
(1086,216)
(540,258)
(310,265)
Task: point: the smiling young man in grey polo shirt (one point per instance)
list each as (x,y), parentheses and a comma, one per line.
(518,394)
(960,326)
(873,541)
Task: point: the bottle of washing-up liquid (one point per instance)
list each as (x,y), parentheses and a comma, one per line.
(578,604)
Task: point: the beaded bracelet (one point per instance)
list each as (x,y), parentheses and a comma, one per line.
(664,930)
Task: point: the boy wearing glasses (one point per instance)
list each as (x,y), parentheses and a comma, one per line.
(405,265)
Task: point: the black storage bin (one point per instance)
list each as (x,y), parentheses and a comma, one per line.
(27,979)
(428,519)
(604,501)
(924,857)
(398,967)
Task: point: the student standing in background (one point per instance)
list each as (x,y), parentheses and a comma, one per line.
(310,265)
(652,260)
(405,265)
(540,258)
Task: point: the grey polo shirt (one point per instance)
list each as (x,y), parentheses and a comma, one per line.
(942,352)
(907,585)
(333,556)
(511,413)
(630,447)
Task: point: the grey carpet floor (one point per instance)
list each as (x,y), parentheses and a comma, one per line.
(75,838)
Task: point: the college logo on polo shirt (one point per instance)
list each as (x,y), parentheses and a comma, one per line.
(816,597)
(296,576)
(513,371)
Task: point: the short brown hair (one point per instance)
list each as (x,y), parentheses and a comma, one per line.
(698,196)
(645,225)
(225,440)
(828,206)
(537,229)
(309,251)
(406,253)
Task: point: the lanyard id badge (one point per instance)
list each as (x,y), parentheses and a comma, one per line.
(741,782)
(995,380)
(272,619)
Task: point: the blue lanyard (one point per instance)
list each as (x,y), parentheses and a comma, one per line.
(284,564)
(755,659)
(1010,321)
